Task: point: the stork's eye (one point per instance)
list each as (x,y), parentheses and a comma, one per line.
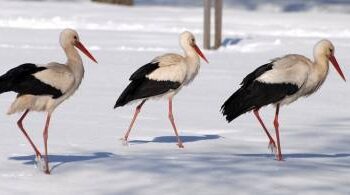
(75,37)
(331,50)
(192,40)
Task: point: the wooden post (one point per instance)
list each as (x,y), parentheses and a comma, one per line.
(206,30)
(121,2)
(218,23)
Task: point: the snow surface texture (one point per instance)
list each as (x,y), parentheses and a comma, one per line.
(86,154)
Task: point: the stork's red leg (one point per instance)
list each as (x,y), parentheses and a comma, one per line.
(272,142)
(275,122)
(171,118)
(137,111)
(20,125)
(46,136)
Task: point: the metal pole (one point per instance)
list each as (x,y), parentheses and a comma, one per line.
(218,23)
(206,30)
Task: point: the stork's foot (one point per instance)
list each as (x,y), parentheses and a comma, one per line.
(272,147)
(274,151)
(47,168)
(124,141)
(41,164)
(37,160)
(180,145)
(279,157)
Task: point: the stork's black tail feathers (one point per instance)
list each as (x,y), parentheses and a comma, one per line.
(4,85)
(13,77)
(128,94)
(237,104)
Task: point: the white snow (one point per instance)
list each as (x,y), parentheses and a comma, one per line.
(86,154)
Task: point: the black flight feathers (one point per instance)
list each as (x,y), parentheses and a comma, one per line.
(21,80)
(141,87)
(143,71)
(256,73)
(254,94)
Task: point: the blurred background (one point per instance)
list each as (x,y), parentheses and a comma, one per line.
(271,5)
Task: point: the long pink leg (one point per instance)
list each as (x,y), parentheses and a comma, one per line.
(171,118)
(275,122)
(20,125)
(272,142)
(137,111)
(46,136)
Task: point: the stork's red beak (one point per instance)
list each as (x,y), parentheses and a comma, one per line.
(199,52)
(336,66)
(82,48)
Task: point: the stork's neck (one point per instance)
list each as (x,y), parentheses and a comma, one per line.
(320,69)
(75,63)
(192,62)
(73,56)
(321,64)
(191,55)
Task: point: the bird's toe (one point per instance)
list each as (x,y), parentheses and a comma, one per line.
(279,157)
(40,163)
(180,145)
(272,147)
(124,141)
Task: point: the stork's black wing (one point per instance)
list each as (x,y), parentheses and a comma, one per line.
(254,94)
(142,87)
(256,73)
(22,81)
(144,70)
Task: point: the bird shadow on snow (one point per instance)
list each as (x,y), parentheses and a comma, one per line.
(172,139)
(63,159)
(298,155)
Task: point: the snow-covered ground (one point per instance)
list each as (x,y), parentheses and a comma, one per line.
(86,154)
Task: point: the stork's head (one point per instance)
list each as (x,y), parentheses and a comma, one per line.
(325,48)
(187,40)
(70,38)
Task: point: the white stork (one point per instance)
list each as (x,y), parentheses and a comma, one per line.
(164,76)
(44,87)
(280,82)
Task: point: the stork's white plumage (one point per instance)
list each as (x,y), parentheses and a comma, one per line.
(44,87)
(281,82)
(164,76)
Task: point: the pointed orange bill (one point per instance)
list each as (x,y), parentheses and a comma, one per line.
(81,47)
(336,66)
(199,52)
